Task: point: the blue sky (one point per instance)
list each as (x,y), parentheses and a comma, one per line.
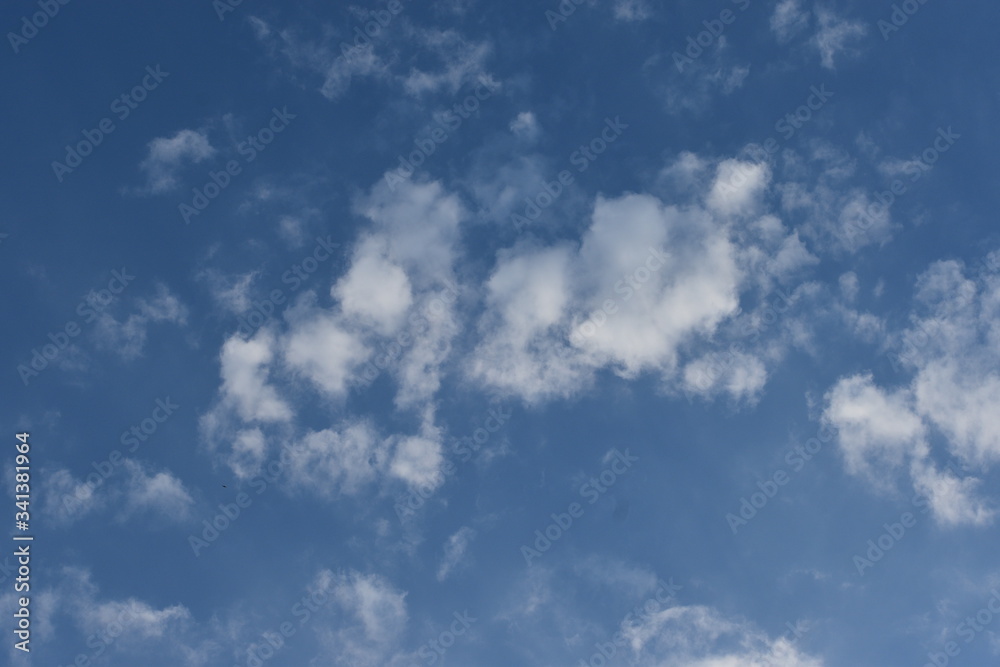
(610,332)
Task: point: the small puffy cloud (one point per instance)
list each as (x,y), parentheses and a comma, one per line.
(331,463)
(360,61)
(168,154)
(461,62)
(738,187)
(417,461)
(419,222)
(741,376)
(159,494)
(371,618)
(954,500)
(321,349)
(836,36)
(245,379)
(632,10)
(454,551)
(66,499)
(231,293)
(788,19)
(134,489)
(128,338)
(375,290)
(525,126)
(877,430)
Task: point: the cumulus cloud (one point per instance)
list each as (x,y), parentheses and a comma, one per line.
(371,616)
(333,462)
(245,379)
(952,353)
(323,351)
(375,290)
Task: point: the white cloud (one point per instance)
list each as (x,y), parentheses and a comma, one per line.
(632,10)
(699,636)
(836,36)
(462,62)
(375,290)
(554,315)
(321,349)
(738,187)
(419,222)
(372,618)
(877,430)
(66,499)
(788,19)
(846,220)
(741,376)
(231,293)
(245,379)
(951,349)
(132,490)
(330,463)
(525,126)
(454,551)
(168,154)
(361,61)
(249,451)
(160,494)
(417,461)
(128,338)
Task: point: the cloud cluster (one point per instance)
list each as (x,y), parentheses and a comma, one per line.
(951,349)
